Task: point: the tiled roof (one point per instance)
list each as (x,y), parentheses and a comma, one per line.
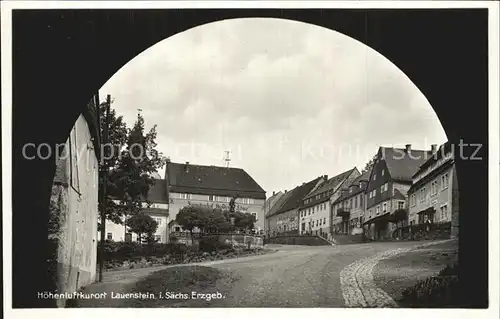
(398,195)
(278,204)
(403,165)
(158,192)
(431,175)
(294,200)
(271,202)
(212,180)
(442,150)
(333,184)
(363,177)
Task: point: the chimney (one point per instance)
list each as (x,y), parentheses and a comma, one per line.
(285,190)
(326,177)
(408,148)
(168,160)
(433,148)
(274,193)
(186,167)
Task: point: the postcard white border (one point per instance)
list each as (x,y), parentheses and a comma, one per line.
(494,162)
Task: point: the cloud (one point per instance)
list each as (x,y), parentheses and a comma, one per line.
(283,96)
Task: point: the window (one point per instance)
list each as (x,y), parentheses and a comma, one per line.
(75,181)
(109,236)
(361,200)
(247,201)
(350,190)
(445,181)
(382,188)
(384,207)
(444,212)
(254,215)
(434,187)
(413,199)
(386,186)
(128,237)
(382,172)
(377,210)
(177,229)
(356,202)
(185,196)
(401,204)
(422,194)
(317,223)
(158,237)
(374,176)
(324,220)
(158,220)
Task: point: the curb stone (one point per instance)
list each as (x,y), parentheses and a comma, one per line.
(358,286)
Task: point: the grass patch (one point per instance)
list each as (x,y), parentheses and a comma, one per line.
(174,287)
(441,291)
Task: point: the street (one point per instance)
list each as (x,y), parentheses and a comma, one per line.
(294,276)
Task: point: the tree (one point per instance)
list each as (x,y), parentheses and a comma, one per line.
(215,221)
(142,224)
(117,138)
(131,177)
(190,217)
(244,221)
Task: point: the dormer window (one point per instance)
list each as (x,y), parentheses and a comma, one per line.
(374,176)
(382,172)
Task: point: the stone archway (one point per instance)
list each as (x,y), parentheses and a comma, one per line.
(81,49)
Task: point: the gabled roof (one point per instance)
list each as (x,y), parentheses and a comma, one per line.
(356,182)
(444,149)
(158,192)
(294,199)
(332,184)
(433,174)
(401,164)
(212,180)
(278,204)
(398,194)
(271,202)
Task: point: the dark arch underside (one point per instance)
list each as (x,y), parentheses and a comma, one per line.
(61,57)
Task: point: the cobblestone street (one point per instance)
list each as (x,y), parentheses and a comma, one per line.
(295,276)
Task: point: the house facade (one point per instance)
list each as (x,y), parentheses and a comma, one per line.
(351,205)
(433,197)
(270,206)
(74,208)
(315,210)
(158,210)
(386,192)
(212,187)
(285,218)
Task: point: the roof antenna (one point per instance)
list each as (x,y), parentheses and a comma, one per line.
(227,159)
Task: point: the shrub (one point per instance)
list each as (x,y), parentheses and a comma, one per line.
(212,244)
(441,291)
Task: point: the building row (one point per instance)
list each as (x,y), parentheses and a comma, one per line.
(185,185)
(402,186)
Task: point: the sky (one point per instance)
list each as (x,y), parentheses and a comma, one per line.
(291,101)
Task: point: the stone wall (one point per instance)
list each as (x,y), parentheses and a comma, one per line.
(73,213)
(297,240)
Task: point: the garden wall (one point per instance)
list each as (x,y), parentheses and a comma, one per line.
(297,240)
